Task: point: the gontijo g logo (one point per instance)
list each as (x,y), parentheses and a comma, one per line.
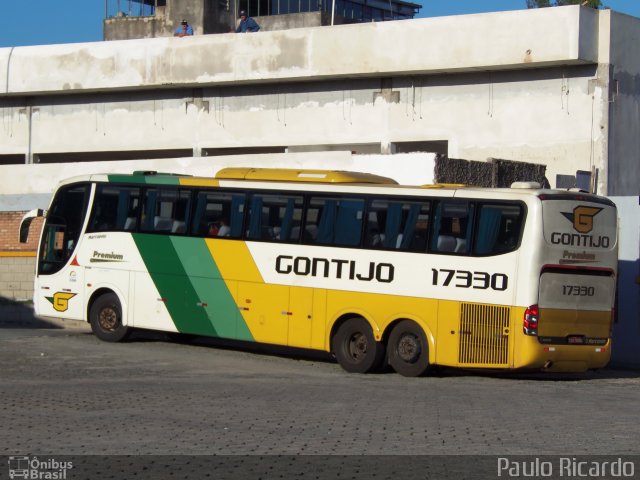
(60,300)
(582,218)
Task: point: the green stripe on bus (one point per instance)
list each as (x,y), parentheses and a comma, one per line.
(148,179)
(170,278)
(211,288)
(187,277)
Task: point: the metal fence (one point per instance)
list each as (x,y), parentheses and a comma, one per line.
(132,8)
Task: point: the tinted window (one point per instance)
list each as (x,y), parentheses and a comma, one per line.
(334,221)
(166,210)
(218,214)
(115,208)
(275,218)
(453,227)
(498,229)
(397,225)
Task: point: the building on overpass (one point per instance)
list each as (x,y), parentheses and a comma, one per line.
(127,19)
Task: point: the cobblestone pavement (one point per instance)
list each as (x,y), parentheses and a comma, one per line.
(65,392)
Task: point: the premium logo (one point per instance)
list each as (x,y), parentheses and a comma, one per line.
(60,300)
(582,218)
(570,258)
(101,257)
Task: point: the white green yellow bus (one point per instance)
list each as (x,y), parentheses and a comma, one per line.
(350,263)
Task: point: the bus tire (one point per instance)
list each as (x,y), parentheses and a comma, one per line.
(105,317)
(355,347)
(408,350)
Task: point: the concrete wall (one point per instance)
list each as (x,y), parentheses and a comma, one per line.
(624,106)
(35,183)
(16,276)
(292,20)
(494,41)
(626,330)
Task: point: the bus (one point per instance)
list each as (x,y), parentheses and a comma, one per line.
(377,273)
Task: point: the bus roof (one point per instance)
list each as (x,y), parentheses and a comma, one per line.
(318,180)
(294,175)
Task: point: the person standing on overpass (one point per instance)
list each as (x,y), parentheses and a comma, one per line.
(247,24)
(183,30)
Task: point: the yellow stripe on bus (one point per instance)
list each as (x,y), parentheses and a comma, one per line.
(199,182)
(234,260)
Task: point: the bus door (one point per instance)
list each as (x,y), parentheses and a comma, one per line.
(278,314)
(265,309)
(301,317)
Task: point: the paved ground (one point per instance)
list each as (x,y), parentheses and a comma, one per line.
(64,392)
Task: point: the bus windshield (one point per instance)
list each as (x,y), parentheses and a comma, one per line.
(62,227)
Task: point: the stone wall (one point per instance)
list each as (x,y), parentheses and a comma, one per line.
(493,173)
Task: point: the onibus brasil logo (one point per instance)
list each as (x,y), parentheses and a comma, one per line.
(33,468)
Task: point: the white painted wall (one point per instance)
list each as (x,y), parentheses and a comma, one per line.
(32,185)
(444,44)
(626,332)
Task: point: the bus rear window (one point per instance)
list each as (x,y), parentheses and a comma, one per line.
(499,228)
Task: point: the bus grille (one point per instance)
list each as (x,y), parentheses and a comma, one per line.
(484,335)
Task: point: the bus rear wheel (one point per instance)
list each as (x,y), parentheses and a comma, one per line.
(355,347)
(408,350)
(105,317)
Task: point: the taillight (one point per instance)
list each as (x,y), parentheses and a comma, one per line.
(530,323)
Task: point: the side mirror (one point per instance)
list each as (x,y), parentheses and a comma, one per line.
(26,222)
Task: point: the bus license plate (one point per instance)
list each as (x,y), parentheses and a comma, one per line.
(575,340)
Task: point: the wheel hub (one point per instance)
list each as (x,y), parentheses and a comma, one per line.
(409,348)
(358,346)
(108,319)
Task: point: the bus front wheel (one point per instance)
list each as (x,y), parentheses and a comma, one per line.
(408,350)
(105,317)
(355,347)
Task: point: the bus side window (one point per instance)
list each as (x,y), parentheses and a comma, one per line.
(339,221)
(397,225)
(218,214)
(115,208)
(166,210)
(275,218)
(498,229)
(452,227)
